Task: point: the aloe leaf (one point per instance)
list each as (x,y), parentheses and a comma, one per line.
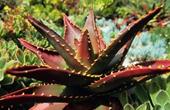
(84,49)
(50,75)
(123,37)
(41,93)
(122,78)
(39,98)
(119,57)
(26,90)
(92,29)
(51,58)
(155,63)
(59,44)
(102,44)
(71,32)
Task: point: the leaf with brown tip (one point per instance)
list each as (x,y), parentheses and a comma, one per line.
(59,44)
(123,37)
(50,75)
(51,58)
(117,79)
(71,32)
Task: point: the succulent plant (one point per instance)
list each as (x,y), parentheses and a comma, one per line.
(89,74)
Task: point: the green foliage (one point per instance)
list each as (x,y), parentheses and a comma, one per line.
(128,107)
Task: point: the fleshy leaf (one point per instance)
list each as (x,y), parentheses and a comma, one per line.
(117,79)
(123,37)
(92,29)
(71,32)
(119,57)
(38,95)
(84,49)
(20,91)
(50,75)
(59,44)
(102,44)
(155,63)
(51,58)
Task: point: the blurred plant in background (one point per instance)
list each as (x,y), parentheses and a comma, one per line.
(147,46)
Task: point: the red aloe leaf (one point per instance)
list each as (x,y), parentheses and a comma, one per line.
(92,29)
(119,57)
(84,49)
(46,89)
(71,32)
(59,44)
(155,63)
(24,90)
(50,75)
(116,79)
(127,34)
(41,93)
(102,44)
(51,58)
(39,98)
(127,84)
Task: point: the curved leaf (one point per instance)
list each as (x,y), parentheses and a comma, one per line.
(122,78)
(84,49)
(50,75)
(92,29)
(156,63)
(51,58)
(71,32)
(41,93)
(59,44)
(123,37)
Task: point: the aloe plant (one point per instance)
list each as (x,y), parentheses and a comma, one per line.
(89,74)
